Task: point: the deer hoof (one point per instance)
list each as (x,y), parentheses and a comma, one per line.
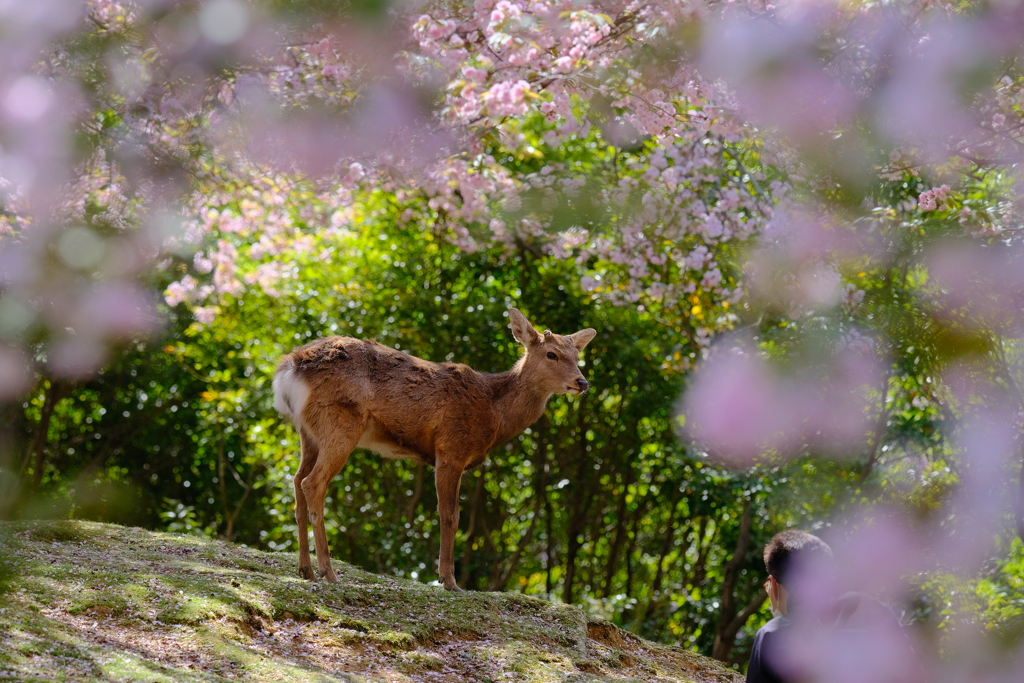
(453,587)
(329,576)
(307,573)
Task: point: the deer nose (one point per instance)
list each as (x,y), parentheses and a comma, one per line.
(583,385)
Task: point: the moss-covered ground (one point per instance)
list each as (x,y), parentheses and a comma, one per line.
(98,602)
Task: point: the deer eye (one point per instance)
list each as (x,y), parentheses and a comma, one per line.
(552,356)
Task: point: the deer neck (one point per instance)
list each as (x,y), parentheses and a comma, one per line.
(517,403)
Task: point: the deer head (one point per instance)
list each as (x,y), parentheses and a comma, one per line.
(550,363)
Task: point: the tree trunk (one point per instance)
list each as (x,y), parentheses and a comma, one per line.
(467,550)
(10,416)
(620,533)
(666,546)
(730,620)
(540,485)
(417,493)
(630,549)
(579,514)
(572,549)
(700,567)
(549,561)
(54,393)
(223,467)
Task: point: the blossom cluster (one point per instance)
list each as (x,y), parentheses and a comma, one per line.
(496,54)
(933,199)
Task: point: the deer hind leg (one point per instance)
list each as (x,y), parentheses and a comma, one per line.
(310,452)
(338,430)
(448,477)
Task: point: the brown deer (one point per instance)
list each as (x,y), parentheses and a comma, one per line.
(344,393)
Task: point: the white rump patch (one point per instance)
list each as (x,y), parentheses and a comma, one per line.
(290,393)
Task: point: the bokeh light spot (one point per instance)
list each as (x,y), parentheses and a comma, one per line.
(223,21)
(15,318)
(80,248)
(28,98)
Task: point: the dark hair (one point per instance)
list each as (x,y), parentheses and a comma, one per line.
(789,548)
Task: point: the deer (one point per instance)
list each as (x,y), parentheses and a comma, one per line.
(342,393)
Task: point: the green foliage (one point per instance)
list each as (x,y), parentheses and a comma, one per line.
(597,503)
(1002,593)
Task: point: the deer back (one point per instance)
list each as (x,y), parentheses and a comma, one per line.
(408,403)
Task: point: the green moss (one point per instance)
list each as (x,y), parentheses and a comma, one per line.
(98,603)
(114,603)
(299,605)
(196,610)
(59,532)
(529,663)
(418,662)
(352,624)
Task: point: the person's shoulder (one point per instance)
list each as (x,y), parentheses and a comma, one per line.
(764,651)
(775,625)
(767,636)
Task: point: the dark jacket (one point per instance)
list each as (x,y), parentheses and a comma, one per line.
(850,614)
(764,654)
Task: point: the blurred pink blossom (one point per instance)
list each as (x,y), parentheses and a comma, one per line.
(204,314)
(744,409)
(120,310)
(776,70)
(75,357)
(982,285)
(14,373)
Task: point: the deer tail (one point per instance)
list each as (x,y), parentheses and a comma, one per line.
(290,392)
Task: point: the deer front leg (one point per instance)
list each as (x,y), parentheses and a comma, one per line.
(310,451)
(314,488)
(448,477)
(335,441)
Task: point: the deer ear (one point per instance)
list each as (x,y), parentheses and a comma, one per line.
(583,337)
(522,330)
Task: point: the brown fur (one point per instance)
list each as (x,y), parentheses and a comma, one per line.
(343,393)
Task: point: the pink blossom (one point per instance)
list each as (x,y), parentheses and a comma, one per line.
(201,263)
(180,291)
(563,65)
(933,199)
(506,98)
(335,70)
(205,315)
(711,279)
(356,172)
(475,74)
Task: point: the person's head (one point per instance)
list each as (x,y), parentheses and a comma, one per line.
(789,549)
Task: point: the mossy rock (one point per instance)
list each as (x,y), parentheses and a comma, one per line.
(419,662)
(353,624)
(58,532)
(95,602)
